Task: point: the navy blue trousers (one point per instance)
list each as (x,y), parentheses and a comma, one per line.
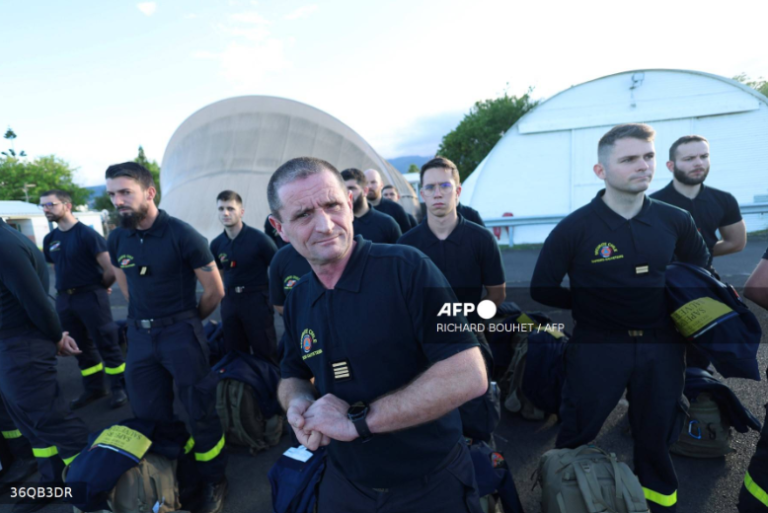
(31,394)
(599,366)
(249,324)
(178,353)
(87,317)
(753,497)
(451,488)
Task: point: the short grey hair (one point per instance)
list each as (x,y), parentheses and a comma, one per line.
(297,169)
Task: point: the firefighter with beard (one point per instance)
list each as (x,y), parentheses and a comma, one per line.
(158,260)
(371,224)
(83,277)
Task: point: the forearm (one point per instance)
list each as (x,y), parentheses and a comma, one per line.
(496,294)
(278,309)
(726,247)
(108,279)
(442,388)
(759,295)
(208,303)
(294,388)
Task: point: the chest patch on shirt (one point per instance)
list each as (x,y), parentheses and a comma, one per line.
(605,251)
(309,344)
(126,261)
(55,246)
(223,258)
(290,282)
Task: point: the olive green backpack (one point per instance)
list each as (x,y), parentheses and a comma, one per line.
(241,419)
(588,480)
(707,434)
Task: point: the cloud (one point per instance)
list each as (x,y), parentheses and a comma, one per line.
(252,18)
(301,12)
(191,16)
(147,8)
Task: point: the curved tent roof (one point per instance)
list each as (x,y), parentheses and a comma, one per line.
(238,143)
(543,163)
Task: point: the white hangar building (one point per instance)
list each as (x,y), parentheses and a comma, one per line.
(238,143)
(543,163)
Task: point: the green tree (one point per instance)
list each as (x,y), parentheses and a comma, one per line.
(760,84)
(153,168)
(476,135)
(20,180)
(413,168)
(10,135)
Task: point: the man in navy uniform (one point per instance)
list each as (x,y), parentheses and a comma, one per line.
(713,210)
(370,223)
(466,253)
(30,339)
(287,269)
(243,255)
(389,192)
(272,234)
(158,260)
(386,387)
(383,205)
(83,277)
(615,251)
(753,497)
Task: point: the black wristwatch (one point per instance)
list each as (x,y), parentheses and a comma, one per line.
(357,413)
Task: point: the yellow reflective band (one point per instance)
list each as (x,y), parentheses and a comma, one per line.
(92,370)
(698,314)
(67,461)
(115,370)
(10,435)
(46,452)
(660,499)
(755,489)
(208,456)
(189,445)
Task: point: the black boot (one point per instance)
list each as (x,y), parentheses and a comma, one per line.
(118,399)
(87,398)
(18,472)
(213,497)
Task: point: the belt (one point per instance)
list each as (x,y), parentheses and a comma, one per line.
(78,290)
(147,324)
(244,289)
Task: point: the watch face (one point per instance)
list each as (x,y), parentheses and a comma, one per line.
(356,409)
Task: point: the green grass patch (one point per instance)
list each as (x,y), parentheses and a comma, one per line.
(520,247)
(758,235)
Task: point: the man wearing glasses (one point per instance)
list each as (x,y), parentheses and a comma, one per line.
(465,252)
(83,275)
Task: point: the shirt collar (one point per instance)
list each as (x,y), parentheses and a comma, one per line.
(455,237)
(614,220)
(226,237)
(703,194)
(351,277)
(158,227)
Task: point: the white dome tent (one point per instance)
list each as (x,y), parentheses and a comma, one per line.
(542,166)
(238,143)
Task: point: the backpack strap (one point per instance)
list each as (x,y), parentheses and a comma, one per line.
(590,490)
(237,390)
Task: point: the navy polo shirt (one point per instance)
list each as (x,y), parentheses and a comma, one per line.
(287,269)
(616,266)
(270,231)
(245,258)
(168,253)
(378,327)
(711,209)
(470,214)
(24,301)
(396,212)
(73,252)
(469,258)
(377,227)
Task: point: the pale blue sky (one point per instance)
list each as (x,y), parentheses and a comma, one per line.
(92,80)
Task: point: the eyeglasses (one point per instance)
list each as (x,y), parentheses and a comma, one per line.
(430,189)
(48,206)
